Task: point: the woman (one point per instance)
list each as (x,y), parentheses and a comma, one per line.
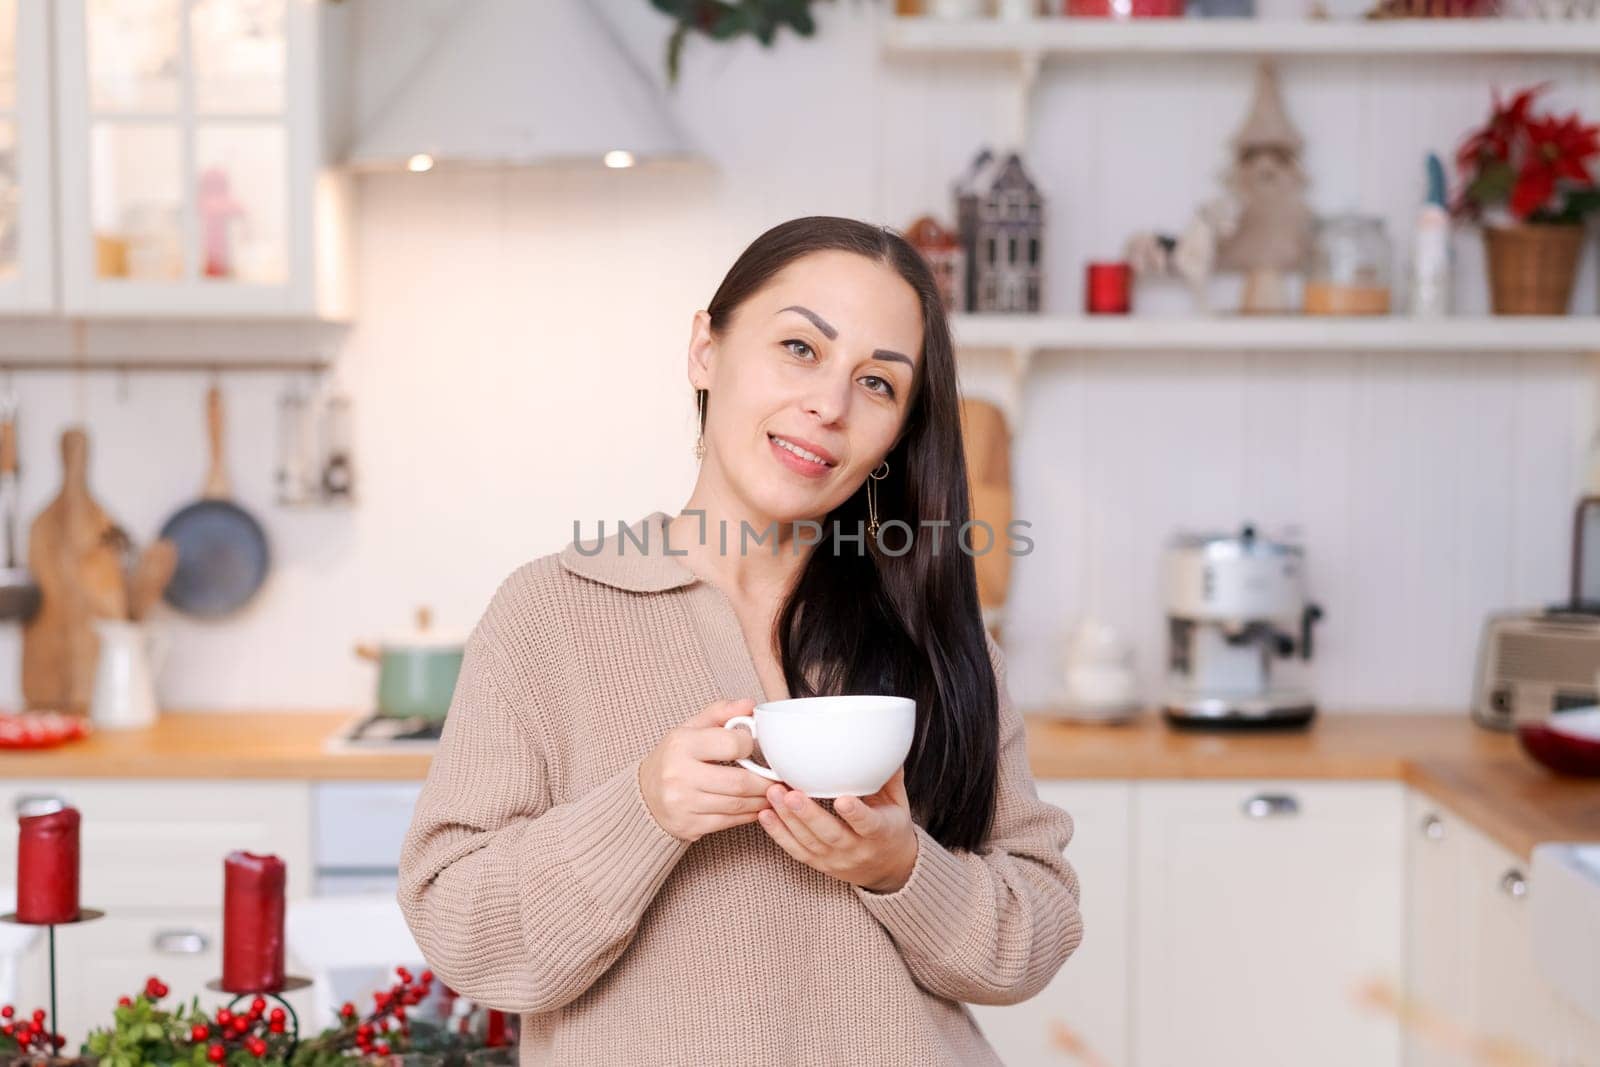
(585,851)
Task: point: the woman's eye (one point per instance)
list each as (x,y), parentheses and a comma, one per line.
(887,390)
(791,345)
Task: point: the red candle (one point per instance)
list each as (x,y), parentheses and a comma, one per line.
(47,866)
(252,923)
(495,1029)
(1106,287)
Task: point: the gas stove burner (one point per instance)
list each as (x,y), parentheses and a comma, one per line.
(380,733)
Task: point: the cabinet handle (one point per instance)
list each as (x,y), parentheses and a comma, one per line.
(1514,884)
(1433,827)
(180,942)
(1267,805)
(40,803)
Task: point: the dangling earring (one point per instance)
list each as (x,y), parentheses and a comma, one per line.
(700,431)
(872,498)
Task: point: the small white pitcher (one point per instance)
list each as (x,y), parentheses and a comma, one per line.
(124,679)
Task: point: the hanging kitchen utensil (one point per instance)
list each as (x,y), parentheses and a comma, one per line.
(73,555)
(19,593)
(338,468)
(222,549)
(293,473)
(151,573)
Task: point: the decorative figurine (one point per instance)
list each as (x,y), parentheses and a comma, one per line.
(940,247)
(1192,255)
(1000,218)
(1275,224)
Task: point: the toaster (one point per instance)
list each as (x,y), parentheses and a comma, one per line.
(1534,663)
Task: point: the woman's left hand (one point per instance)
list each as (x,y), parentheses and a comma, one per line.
(873,845)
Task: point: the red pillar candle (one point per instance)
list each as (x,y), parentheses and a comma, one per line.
(47,866)
(1106,289)
(252,923)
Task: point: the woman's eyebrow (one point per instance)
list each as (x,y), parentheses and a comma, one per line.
(816,320)
(831,334)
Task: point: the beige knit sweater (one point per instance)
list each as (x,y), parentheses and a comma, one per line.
(535,879)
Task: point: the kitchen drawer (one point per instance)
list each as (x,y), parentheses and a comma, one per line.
(160,844)
(111,957)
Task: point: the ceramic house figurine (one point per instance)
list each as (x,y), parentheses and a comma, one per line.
(1000,219)
(1275,224)
(943,252)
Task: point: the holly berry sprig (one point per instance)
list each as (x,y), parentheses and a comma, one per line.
(146,1032)
(383,1030)
(30,1035)
(253,1032)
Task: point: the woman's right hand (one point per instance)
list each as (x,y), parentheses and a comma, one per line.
(686,787)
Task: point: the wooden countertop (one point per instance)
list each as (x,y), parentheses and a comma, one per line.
(1482,775)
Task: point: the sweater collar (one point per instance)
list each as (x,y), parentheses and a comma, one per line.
(638,563)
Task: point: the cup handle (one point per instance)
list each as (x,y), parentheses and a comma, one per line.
(750,765)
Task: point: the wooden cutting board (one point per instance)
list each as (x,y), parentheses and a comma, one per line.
(78,566)
(987,442)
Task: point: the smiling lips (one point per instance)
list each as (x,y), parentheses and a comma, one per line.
(802,457)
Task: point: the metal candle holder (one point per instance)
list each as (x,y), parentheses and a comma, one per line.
(290,984)
(84,915)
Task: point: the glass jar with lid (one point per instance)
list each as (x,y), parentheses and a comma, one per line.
(1350,267)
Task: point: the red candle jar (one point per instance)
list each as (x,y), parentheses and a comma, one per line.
(1106,288)
(47,866)
(252,923)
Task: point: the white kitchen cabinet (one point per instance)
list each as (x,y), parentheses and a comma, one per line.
(1437,930)
(1261,909)
(27,281)
(1509,998)
(1469,947)
(1089,994)
(152,859)
(193,138)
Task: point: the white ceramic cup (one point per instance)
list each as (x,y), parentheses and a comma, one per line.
(831,746)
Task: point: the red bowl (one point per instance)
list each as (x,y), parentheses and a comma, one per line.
(1563,753)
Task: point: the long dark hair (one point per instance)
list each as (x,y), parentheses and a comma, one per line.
(909,624)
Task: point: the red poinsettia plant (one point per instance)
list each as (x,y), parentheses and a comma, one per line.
(1527,166)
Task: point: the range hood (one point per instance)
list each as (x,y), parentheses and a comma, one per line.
(521,83)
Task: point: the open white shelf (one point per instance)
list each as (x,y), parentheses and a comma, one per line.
(1021,338)
(1042,37)
(1027,334)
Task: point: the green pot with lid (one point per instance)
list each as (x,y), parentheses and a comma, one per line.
(417,670)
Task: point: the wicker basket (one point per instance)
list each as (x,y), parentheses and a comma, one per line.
(1531,267)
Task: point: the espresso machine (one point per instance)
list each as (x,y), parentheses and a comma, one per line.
(1235,603)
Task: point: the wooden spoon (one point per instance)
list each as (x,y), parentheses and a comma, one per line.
(151,574)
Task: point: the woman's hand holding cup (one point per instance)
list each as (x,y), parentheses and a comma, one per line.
(685,784)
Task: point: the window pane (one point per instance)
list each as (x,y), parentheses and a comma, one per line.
(8,54)
(238,48)
(10,207)
(135,199)
(133,54)
(241,197)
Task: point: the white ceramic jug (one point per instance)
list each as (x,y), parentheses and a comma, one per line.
(124,679)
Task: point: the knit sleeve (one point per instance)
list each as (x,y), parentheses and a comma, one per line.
(517,903)
(991,926)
